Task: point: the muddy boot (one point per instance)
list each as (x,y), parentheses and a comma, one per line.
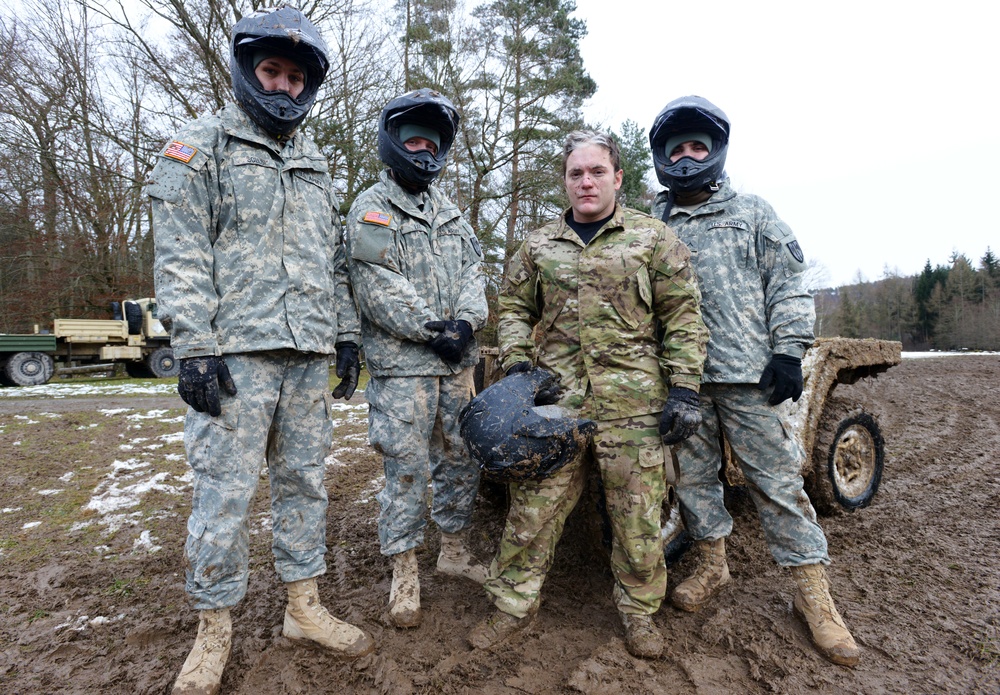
(307,619)
(456,560)
(404,596)
(497,628)
(709,576)
(814,606)
(201,673)
(642,638)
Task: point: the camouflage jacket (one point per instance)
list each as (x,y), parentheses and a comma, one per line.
(749,269)
(617,319)
(410,265)
(249,254)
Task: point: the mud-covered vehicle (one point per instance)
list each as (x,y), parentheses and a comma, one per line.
(845,450)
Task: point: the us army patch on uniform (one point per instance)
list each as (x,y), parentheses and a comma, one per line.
(179,151)
(377,218)
(796,251)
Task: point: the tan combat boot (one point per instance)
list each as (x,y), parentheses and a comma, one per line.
(642,638)
(456,560)
(307,619)
(404,596)
(497,628)
(201,673)
(709,576)
(814,606)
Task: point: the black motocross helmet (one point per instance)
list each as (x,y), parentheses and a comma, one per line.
(283,31)
(513,439)
(423,107)
(691,114)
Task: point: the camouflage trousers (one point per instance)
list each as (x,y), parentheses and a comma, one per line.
(770,458)
(630,457)
(279,418)
(413,423)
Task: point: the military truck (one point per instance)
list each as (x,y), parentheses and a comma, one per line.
(134,337)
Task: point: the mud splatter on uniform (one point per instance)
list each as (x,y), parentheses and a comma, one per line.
(618,321)
(413,258)
(749,267)
(250,266)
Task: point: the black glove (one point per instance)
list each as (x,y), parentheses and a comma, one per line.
(785,372)
(198,383)
(681,415)
(550,390)
(348,369)
(519,367)
(452,339)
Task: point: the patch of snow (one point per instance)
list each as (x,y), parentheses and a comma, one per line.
(49,492)
(65,478)
(145,542)
(32,524)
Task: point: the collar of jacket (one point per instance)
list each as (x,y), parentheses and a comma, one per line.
(564,231)
(712,205)
(240,125)
(440,209)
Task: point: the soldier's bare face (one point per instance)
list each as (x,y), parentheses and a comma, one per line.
(279,74)
(417,143)
(691,148)
(591,182)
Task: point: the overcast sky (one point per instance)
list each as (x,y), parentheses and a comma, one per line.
(871,127)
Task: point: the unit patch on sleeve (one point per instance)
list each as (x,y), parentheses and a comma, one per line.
(377,218)
(796,251)
(179,151)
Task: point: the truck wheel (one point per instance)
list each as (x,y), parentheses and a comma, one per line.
(847,460)
(28,368)
(138,370)
(162,364)
(133,317)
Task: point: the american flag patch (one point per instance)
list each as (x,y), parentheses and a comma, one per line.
(377,218)
(179,151)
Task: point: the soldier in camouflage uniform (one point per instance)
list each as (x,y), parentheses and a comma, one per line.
(605,298)
(251,280)
(415,264)
(760,317)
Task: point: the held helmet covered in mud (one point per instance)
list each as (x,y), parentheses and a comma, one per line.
(286,32)
(512,439)
(691,114)
(425,108)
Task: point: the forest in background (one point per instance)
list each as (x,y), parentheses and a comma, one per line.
(91,89)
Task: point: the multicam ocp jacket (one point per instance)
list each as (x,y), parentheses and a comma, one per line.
(249,254)
(617,319)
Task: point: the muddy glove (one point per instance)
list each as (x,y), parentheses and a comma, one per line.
(348,369)
(519,367)
(198,383)
(785,372)
(452,339)
(681,415)
(550,392)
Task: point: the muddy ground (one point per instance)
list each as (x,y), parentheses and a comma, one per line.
(916,575)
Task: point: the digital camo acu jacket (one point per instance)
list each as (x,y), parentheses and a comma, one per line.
(409,266)
(749,268)
(617,319)
(249,253)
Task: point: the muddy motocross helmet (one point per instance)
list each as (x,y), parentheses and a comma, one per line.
(512,439)
(690,114)
(283,31)
(423,107)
